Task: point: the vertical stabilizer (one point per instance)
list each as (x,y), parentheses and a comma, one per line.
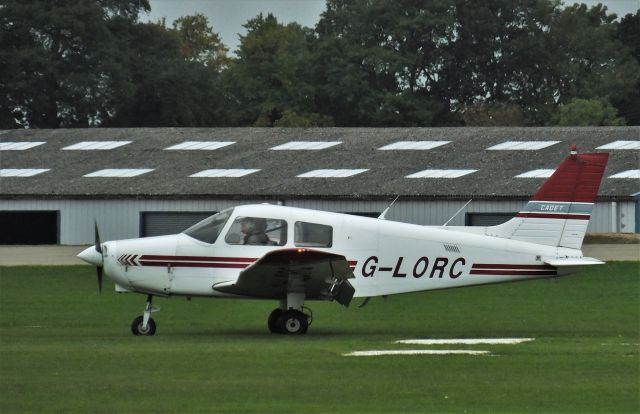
(558,213)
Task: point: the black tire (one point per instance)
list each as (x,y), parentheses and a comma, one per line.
(293,322)
(273,321)
(136,327)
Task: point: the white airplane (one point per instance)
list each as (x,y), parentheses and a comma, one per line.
(293,255)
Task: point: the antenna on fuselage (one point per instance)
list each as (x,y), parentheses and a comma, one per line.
(457,212)
(384,213)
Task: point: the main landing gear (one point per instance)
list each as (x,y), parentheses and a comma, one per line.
(290,317)
(144,324)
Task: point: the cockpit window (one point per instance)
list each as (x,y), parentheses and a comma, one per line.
(257,231)
(209,229)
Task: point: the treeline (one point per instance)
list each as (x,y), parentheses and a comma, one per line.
(86,63)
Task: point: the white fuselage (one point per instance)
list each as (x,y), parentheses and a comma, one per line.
(387,257)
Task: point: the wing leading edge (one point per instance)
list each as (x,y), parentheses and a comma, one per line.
(317,274)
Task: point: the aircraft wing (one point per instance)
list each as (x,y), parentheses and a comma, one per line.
(317,274)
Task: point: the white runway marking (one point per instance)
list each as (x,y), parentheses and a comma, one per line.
(469,341)
(418,352)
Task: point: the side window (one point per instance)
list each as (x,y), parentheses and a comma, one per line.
(313,235)
(257,231)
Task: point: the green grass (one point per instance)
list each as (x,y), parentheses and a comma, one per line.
(65,349)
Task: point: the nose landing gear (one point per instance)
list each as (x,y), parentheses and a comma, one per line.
(144,324)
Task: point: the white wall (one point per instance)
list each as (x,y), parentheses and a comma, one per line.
(118,219)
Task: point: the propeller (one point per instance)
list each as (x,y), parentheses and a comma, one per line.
(99,250)
(93,255)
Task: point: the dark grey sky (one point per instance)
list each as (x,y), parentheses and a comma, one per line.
(227,16)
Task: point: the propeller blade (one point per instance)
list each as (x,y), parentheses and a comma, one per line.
(98,245)
(99,271)
(99,250)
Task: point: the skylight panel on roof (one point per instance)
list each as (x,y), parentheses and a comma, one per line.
(22,172)
(440,173)
(327,173)
(96,145)
(414,145)
(522,145)
(200,145)
(306,145)
(542,173)
(626,145)
(19,146)
(627,174)
(119,172)
(225,173)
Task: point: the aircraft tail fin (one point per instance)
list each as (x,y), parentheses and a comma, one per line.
(558,213)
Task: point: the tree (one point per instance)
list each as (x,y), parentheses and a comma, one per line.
(163,87)
(589,62)
(628,33)
(200,43)
(55,60)
(272,73)
(374,61)
(411,62)
(588,112)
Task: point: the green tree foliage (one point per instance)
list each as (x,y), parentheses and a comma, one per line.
(198,42)
(56,59)
(628,33)
(271,76)
(373,61)
(81,63)
(161,88)
(86,63)
(588,112)
(409,62)
(588,61)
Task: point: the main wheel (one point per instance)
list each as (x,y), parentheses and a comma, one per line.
(136,327)
(293,322)
(273,321)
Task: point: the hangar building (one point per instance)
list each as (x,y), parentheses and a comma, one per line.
(144,182)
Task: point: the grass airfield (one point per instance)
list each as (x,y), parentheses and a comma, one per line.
(64,348)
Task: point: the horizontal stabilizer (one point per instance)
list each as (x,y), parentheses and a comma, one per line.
(584,261)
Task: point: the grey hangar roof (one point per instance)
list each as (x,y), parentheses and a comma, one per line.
(276,172)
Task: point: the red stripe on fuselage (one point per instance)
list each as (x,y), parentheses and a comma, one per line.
(198,258)
(514,272)
(555,216)
(194,264)
(509,266)
(505,269)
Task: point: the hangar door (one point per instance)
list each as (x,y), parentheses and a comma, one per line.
(487,219)
(163,223)
(29,227)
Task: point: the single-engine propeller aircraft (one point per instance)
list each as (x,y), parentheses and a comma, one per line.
(293,255)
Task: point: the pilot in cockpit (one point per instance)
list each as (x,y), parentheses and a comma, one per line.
(254,231)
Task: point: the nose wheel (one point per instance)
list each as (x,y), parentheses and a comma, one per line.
(144,324)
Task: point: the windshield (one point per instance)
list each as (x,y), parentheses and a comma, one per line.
(209,229)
